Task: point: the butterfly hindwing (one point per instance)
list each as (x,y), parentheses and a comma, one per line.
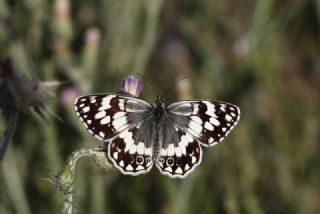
(207,121)
(180,152)
(107,115)
(128,155)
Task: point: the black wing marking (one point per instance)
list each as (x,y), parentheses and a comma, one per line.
(107,115)
(207,121)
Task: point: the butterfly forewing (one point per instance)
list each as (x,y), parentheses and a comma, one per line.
(107,115)
(207,121)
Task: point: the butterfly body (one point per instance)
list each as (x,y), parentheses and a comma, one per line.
(139,135)
(159,115)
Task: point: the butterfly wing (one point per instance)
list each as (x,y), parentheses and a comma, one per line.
(207,121)
(107,115)
(180,152)
(187,124)
(129,153)
(118,119)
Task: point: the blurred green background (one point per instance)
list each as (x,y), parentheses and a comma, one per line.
(260,55)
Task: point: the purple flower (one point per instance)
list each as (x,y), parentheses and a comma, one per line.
(131,85)
(67,96)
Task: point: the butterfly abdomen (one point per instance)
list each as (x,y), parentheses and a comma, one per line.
(157,120)
(156,150)
(156,142)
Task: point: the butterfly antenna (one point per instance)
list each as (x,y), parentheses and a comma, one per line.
(173,85)
(145,82)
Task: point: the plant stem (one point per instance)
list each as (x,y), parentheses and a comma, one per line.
(8,134)
(64,181)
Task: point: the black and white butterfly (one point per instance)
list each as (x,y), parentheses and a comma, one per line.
(139,135)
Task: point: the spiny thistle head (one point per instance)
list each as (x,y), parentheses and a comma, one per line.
(19,93)
(24,91)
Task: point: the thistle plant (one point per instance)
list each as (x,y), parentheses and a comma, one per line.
(21,94)
(64,180)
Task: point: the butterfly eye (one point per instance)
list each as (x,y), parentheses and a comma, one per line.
(170,161)
(139,159)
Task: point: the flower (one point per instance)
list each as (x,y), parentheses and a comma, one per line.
(132,86)
(19,93)
(67,96)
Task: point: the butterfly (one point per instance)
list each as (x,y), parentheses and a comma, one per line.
(139,135)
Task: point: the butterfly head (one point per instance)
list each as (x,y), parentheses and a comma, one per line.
(159,101)
(159,107)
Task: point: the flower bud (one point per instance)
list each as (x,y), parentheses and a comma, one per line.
(132,86)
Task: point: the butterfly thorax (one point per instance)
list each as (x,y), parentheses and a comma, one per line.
(159,109)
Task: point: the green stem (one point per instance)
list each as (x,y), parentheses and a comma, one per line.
(64,181)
